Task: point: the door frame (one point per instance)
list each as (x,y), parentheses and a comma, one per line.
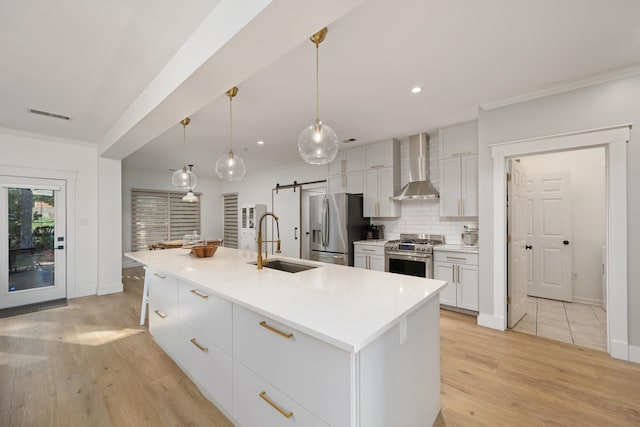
(70,244)
(613,139)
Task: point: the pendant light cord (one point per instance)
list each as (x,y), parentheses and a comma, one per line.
(317,84)
(230,125)
(184,146)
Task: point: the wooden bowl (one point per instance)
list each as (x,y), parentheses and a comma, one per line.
(204,251)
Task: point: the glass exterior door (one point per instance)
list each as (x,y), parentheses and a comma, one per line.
(32,246)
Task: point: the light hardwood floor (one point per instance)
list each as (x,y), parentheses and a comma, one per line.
(90,364)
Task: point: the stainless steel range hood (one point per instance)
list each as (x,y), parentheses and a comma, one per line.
(419,186)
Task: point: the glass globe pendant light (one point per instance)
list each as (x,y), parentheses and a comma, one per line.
(318,143)
(184,179)
(230,167)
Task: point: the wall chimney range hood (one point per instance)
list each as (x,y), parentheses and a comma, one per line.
(419,186)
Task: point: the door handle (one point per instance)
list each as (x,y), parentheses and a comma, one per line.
(565,242)
(295,233)
(528,247)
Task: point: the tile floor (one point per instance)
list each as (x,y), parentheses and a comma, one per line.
(580,324)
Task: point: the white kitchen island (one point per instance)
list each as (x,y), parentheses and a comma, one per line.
(330,346)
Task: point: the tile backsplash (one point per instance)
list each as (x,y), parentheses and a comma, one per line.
(422,216)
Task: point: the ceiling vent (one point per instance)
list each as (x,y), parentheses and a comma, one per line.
(48,114)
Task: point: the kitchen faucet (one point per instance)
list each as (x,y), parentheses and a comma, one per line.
(260,241)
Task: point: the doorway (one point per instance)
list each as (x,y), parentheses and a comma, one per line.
(614,140)
(564,204)
(32,240)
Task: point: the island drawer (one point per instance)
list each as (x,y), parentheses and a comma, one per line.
(456,257)
(207,365)
(163,291)
(207,314)
(314,373)
(258,403)
(165,328)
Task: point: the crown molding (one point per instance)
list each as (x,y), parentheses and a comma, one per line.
(565,87)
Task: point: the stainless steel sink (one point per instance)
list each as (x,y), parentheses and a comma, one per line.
(288,266)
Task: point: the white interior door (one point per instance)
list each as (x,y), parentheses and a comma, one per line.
(517,219)
(32,241)
(551,238)
(286,206)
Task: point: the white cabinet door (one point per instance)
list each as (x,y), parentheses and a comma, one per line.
(467,276)
(376,262)
(360,260)
(336,184)
(355,160)
(355,183)
(379,155)
(450,187)
(445,271)
(370,198)
(469,190)
(338,165)
(461,140)
(387,207)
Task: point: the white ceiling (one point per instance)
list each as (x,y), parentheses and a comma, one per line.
(463,53)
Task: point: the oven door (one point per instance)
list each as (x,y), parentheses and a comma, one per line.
(413,264)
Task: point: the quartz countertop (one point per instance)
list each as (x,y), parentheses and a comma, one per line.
(376,242)
(344,306)
(457,248)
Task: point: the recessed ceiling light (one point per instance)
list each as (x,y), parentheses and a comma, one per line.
(261,142)
(416,89)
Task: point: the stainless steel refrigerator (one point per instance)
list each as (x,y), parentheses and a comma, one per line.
(335,222)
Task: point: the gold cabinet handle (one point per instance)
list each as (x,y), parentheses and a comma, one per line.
(162,276)
(464,153)
(459,207)
(200,294)
(459,281)
(200,347)
(368,250)
(462,208)
(277,331)
(160,314)
(457,258)
(286,414)
(453,274)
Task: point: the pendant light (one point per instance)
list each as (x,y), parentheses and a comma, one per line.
(318,143)
(230,167)
(184,179)
(190,196)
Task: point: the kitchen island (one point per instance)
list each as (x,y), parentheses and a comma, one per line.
(332,345)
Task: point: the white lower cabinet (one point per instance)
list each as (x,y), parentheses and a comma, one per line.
(460,269)
(314,372)
(258,403)
(369,257)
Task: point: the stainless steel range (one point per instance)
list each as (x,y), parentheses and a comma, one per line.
(412,254)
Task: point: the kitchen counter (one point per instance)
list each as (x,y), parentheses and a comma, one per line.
(376,242)
(343,306)
(457,248)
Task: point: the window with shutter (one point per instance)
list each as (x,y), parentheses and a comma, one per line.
(231,220)
(158,216)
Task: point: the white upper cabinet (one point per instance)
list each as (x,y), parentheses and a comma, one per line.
(382,179)
(354,160)
(338,165)
(461,140)
(345,172)
(459,171)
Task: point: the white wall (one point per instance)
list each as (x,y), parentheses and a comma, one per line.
(30,152)
(602,105)
(109,226)
(588,215)
(423,216)
(210,202)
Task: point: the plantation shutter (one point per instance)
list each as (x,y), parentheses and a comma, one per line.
(158,216)
(231,220)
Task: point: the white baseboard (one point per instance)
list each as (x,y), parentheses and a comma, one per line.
(634,353)
(589,301)
(619,350)
(490,321)
(110,289)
